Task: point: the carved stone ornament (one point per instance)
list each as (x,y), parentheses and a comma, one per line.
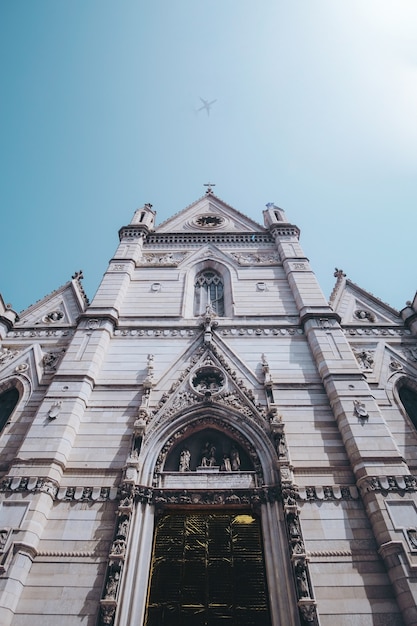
(208,380)
(395,366)
(365,359)
(364,316)
(209,221)
(53,317)
(22,367)
(54,410)
(252,258)
(168,258)
(6,354)
(360,410)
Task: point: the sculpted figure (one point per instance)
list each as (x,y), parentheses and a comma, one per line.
(185,458)
(235,459)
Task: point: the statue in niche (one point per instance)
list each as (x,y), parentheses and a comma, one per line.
(185,458)
(282,447)
(123,526)
(226,464)
(208,455)
(302,583)
(111,587)
(235,459)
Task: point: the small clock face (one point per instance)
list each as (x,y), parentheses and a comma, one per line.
(209,221)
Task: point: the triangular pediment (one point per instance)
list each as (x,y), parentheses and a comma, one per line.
(209,377)
(28,362)
(209,214)
(62,307)
(357,306)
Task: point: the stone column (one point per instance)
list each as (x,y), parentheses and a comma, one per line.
(369,444)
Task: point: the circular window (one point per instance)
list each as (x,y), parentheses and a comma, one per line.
(208,380)
(209,221)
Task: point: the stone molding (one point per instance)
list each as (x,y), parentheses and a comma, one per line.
(381,330)
(190,332)
(310,493)
(194,240)
(27,333)
(30,484)
(387,484)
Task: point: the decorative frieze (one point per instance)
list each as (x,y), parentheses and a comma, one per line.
(194,240)
(190,332)
(39,484)
(254,258)
(166,259)
(379,331)
(41,332)
(387,484)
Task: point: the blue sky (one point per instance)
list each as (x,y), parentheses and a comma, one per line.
(316,111)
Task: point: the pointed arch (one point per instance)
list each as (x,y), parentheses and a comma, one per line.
(13,391)
(169,433)
(213,280)
(406,393)
(208,291)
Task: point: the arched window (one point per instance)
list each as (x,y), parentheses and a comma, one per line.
(408,398)
(208,290)
(8,401)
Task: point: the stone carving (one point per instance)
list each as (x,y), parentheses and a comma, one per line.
(365,359)
(6,354)
(118,548)
(282,447)
(226,465)
(311,493)
(50,360)
(360,410)
(364,316)
(234,459)
(107,613)
(22,367)
(169,258)
(54,410)
(206,422)
(254,258)
(111,586)
(123,527)
(308,612)
(208,455)
(53,317)
(208,380)
(395,366)
(185,458)
(47,486)
(302,582)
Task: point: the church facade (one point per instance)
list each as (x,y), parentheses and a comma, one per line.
(209,441)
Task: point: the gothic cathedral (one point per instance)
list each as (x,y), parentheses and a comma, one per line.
(210,441)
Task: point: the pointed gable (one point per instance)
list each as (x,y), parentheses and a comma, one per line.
(357,306)
(208,214)
(62,307)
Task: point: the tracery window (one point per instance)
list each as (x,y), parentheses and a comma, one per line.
(208,290)
(8,401)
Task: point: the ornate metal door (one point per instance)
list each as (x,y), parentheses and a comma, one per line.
(207,570)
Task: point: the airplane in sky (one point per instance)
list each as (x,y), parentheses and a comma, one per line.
(206,105)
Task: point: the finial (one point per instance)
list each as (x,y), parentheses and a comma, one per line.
(209,189)
(338,273)
(148,205)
